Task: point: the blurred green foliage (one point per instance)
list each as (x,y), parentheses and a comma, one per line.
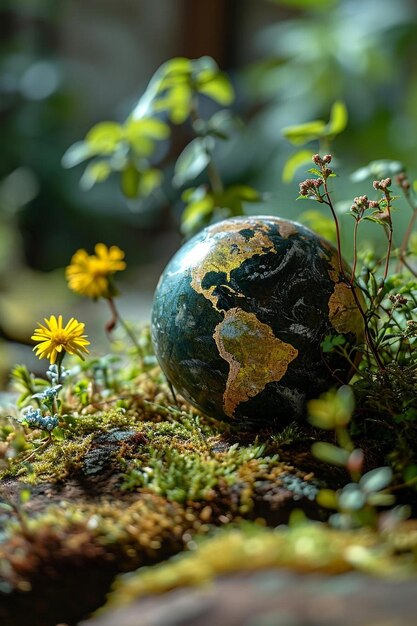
(310,54)
(128,148)
(317,53)
(174,92)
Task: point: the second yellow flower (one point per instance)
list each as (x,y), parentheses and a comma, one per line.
(89,275)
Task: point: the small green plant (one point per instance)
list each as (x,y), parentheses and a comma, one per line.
(357,503)
(315,131)
(173,96)
(386,301)
(26,384)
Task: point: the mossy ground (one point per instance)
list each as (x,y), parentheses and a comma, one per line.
(133,478)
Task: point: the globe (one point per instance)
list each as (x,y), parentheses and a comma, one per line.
(239,316)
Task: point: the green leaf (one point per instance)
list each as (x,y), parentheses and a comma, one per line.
(176,102)
(203,64)
(104,137)
(76,154)
(338,119)
(58,433)
(6,507)
(377,170)
(177,66)
(333,409)
(330,342)
(361,174)
(95,172)
(369,218)
(192,161)
(381,499)
(223,120)
(149,181)
(303,133)
(233,198)
(141,134)
(294,163)
(351,498)
(329,453)
(245,193)
(22,398)
(216,86)
(197,214)
(176,71)
(314,171)
(129,181)
(327,498)
(193,193)
(376,479)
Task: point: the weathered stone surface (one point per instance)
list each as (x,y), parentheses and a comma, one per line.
(276,598)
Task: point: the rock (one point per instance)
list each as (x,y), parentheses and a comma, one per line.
(275,598)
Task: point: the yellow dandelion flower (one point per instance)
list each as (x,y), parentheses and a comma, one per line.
(89,275)
(55,339)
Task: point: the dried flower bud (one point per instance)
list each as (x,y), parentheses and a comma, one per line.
(317,160)
(373,204)
(376,184)
(411,329)
(310,187)
(403,181)
(398,300)
(356,461)
(327,158)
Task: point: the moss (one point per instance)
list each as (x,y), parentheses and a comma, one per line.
(55,462)
(198,476)
(183,476)
(308,547)
(102,421)
(144,531)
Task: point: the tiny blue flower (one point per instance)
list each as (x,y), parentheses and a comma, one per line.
(34,419)
(52,373)
(49,394)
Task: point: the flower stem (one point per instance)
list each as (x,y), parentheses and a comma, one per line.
(355,252)
(117,319)
(59,360)
(336,222)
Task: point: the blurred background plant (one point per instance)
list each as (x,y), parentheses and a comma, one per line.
(66,66)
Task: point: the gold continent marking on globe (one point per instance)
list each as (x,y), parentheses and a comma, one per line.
(255,356)
(344,314)
(228,255)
